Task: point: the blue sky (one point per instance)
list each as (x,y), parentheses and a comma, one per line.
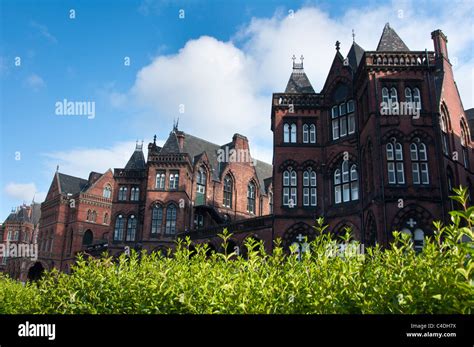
(221,61)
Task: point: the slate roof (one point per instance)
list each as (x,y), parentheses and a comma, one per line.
(136,161)
(390,41)
(70,184)
(196,147)
(299,83)
(355,56)
(21,215)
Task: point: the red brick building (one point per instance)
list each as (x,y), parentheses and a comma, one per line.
(378,149)
(19,230)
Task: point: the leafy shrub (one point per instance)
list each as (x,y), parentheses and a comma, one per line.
(439,279)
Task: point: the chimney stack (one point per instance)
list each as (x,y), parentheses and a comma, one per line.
(440,42)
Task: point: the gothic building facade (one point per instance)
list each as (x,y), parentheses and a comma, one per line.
(379,148)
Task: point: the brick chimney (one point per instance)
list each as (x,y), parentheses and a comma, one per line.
(240,142)
(180,136)
(440,42)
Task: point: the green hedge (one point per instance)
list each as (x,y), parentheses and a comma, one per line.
(395,280)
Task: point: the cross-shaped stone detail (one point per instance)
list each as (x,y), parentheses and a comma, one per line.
(411,223)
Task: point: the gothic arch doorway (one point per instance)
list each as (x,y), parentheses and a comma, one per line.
(88,238)
(35,272)
(298,236)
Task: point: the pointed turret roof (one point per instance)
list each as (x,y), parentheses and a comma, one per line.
(355,55)
(137,160)
(390,41)
(298,82)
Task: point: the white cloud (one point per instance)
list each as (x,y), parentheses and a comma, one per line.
(80,162)
(43,31)
(24,192)
(228,85)
(35,82)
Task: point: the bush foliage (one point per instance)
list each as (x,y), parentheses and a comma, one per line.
(439,279)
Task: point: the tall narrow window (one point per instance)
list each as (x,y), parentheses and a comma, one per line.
(94,216)
(309,188)
(286,133)
(293,138)
(135,194)
(160,180)
(290,186)
(107,192)
(305,133)
(350,117)
(450,181)
(131,228)
(396,173)
(416,98)
(464,141)
(119,228)
(170,220)
(346,183)
(444,133)
(122,193)
(89,215)
(335,122)
(106,218)
(312,133)
(270,202)
(228,187)
(251,198)
(201,180)
(419,162)
(156,220)
(174,180)
(385,100)
(394,100)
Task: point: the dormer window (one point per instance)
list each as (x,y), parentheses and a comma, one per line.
(343,119)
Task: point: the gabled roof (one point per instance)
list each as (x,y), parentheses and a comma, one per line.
(195,147)
(355,56)
(390,41)
(70,184)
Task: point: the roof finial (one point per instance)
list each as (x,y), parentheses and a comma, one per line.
(353,35)
(175,124)
(154,139)
(338,45)
(57,168)
(301,59)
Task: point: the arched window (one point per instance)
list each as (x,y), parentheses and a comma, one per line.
(413,98)
(122,193)
(394,100)
(107,192)
(170,220)
(201,182)
(419,240)
(312,133)
(106,218)
(444,132)
(89,215)
(135,194)
(160,180)
(464,142)
(419,162)
(228,187)
(251,194)
(305,133)
(416,98)
(396,173)
(286,133)
(346,183)
(94,216)
(119,228)
(174,180)
(309,188)
(131,228)
(309,133)
(293,133)
(88,238)
(385,100)
(156,220)
(290,186)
